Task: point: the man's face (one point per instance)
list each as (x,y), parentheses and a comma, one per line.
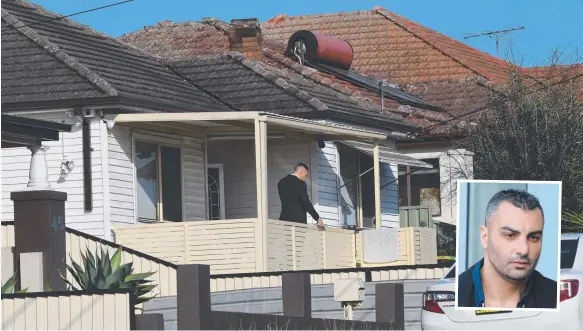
(513,241)
(302,174)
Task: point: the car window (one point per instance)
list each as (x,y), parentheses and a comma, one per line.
(568,251)
(451,273)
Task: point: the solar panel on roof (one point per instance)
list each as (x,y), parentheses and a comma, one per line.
(373,85)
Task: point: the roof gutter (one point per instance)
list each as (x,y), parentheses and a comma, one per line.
(378,123)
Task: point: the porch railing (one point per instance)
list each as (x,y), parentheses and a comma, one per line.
(233,246)
(227,246)
(295,246)
(78,242)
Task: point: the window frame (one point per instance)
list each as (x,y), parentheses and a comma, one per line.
(159,141)
(408,179)
(221,192)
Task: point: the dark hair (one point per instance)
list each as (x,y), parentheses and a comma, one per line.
(301,165)
(518,198)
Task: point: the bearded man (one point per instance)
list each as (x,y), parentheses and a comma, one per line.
(512,241)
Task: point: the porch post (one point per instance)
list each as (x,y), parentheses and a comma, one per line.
(377,185)
(38,173)
(262,203)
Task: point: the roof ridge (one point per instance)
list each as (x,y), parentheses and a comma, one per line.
(391,17)
(58,53)
(259,68)
(218,24)
(160,24)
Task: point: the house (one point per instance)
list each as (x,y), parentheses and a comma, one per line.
(450,77)
(428,64)
(65,72)
(170,41)
(196,139)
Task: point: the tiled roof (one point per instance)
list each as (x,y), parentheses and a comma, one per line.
(424,62)
(63,60)
(556,73)
(390,46)
(252,85)
(171,40)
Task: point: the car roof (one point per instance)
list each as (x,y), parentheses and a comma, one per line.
(572,235)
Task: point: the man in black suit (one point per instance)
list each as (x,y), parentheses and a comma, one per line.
(293,193)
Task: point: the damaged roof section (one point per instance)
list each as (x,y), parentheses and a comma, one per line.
(252,85)
(61,62)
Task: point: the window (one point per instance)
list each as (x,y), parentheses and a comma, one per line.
(568,252)
(356,187)
(215,192)
(158,182)
(420,186)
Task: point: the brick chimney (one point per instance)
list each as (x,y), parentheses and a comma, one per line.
(245,37)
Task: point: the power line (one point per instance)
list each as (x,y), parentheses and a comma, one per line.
(70,15)
(491,103)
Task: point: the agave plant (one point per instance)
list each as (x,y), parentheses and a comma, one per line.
(8,287)
(572,222)
(100,272)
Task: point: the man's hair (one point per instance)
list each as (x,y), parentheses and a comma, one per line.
(300,165)
(518,198)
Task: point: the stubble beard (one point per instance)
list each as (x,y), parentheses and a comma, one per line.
(505,269)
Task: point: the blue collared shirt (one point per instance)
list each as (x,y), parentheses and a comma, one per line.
(526,300)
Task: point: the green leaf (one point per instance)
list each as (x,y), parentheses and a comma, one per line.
(116,278)
(91,258)
(116,260)
(137,277)
(147,288)
(70,284)
(106,265)
(24,290)
(73,274)
(82,277)
(8,287)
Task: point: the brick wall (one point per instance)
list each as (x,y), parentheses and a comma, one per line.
(245,37)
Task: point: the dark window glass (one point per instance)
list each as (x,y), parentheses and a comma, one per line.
(568,252)
(171,183)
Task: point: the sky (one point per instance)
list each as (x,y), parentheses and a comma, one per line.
(548,25)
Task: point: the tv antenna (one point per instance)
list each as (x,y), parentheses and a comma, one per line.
(496,34)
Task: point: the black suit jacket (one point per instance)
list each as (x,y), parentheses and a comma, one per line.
(293,193)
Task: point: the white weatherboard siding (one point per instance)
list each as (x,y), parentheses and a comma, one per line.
(122,181)
(389,195)
(238,159)
(193,177)
(327,164)
(121,176)
(15,172)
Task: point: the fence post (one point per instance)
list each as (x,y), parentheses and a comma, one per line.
(193,297)
(390,305)
(150,322)
(297,294)
(39,238)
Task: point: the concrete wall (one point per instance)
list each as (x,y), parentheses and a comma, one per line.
(269,301)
